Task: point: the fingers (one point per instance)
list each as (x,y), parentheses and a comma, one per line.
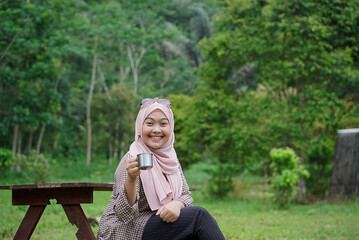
(132,168)
(169,216)
(166,216)
(159,211)
(169,212)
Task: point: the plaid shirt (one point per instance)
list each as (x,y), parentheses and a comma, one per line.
(120,221)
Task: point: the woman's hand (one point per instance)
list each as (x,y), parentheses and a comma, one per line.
(132,168)
(171,211)
(130,185)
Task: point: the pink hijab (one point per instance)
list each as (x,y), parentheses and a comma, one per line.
(163,182)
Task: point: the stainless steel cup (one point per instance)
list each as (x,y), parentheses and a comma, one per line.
(145,161)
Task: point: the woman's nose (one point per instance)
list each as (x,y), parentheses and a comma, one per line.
(156,129)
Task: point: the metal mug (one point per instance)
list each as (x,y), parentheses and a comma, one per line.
(145,161)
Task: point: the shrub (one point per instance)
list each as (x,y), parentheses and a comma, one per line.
(221,179)
(5,158)
(286,170)
(36,170)
(320,156)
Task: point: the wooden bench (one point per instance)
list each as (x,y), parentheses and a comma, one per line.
(69,195)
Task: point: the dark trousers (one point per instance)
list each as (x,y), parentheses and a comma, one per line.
(193,223)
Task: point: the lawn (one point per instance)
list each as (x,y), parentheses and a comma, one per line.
(246,214)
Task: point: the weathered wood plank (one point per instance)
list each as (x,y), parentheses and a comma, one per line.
(36,196)
(29,222)
(76,216)
(95,186)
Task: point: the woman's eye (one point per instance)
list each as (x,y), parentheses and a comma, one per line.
(164,124)
(149,123)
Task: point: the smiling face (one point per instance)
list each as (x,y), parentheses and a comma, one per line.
(156,129)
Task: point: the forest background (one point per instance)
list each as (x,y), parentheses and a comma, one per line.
(244,77)
(259,89)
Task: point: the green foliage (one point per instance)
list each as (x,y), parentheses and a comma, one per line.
(320,157)
(197,175)
(31,90)
(206,132)
(47,52)
(351,119)
(36,169)
(221,179)
(286,171)
(113,118)
(182,108)
(6,158)
(287,77)
(276,73)
(213,125)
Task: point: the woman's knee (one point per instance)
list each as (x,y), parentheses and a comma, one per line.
(202,210)
(197,210)
(194,208)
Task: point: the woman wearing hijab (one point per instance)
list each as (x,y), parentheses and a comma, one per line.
(155,203)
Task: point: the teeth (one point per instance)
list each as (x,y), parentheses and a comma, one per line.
(156,137)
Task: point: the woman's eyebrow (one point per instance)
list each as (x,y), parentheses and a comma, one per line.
(150,118)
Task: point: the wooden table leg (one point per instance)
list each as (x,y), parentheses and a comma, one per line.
(76,216)
(29,222)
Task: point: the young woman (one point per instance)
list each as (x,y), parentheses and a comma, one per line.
(155,203)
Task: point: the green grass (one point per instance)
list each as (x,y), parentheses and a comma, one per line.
(251,220)
(245,214)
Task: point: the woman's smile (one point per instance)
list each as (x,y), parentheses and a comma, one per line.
(156,138)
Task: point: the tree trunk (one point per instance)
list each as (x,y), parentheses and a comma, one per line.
(14,140)
(39,141)
(266,177)
(301,186)
(124,138)
(110,153)
(121,78)
(29,143)
(55,144)
(122,147)
(88,106)
(301,189)
(103,81)
(19,159)
(115,152)
(123,73)
(162,86)
(135,61)
(133,67)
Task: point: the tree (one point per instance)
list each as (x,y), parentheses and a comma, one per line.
(31,92)
(48,72)
(113,119)
(284,56)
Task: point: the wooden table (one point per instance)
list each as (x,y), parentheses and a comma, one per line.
(69,195)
